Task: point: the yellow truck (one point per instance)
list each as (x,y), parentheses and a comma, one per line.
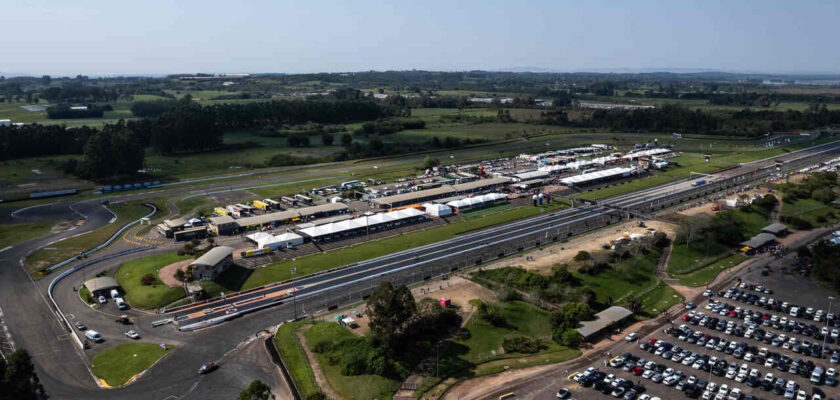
(259,204)
(220,211)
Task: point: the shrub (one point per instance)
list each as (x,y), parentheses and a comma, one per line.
(569,338)
(180,275)
(492,313)
(148,279)
(583,256)
(522,344)
(509,294)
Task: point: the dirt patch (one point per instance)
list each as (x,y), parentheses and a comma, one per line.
(706,208)
(167,273)
(542,260)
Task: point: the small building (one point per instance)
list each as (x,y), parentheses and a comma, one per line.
(198,232)
(778,230)
(213,263)
(101,286)
(604,320)
(5,122)
(756,242)
(223,225)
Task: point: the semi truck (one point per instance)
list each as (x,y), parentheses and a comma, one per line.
(698,183)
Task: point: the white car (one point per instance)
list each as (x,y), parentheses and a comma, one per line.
(631,337)
(740,378)
(724,389)
(102,300)
(801,395)
(132,334)
(648,374)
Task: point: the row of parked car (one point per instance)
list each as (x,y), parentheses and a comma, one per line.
(710,390)
(755,318)
(608,384)
(796,311)
(805,369)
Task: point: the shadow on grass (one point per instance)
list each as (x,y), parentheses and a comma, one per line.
(234,277)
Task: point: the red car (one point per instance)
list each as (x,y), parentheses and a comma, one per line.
(638,370)
(733,313)
(652,341)
(686,318)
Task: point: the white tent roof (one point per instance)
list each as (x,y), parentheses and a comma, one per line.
(597,175)
(651,152)
(361,222)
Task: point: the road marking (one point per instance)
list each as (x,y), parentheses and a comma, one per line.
(7,248)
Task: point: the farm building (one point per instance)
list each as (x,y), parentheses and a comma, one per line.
(363,225)
(215,261)
(778,230)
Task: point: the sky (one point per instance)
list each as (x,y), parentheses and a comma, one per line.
(69,37)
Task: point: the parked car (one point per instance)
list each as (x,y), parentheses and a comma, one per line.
(132,334)
(80,326)
(207,368)
(102,300)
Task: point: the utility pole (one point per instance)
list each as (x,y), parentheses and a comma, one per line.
(825,337)
(294,292)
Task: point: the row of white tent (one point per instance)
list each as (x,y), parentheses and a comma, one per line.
(274,242)
(643,153)
(477,201)
(362,222)
(598,175)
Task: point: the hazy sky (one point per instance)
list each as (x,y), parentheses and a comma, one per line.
(66,37)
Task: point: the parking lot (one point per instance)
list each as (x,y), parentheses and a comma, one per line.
(738,338)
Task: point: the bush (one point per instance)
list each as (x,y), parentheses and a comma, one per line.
(148,279)
(583,256)
(322,347)
(569,338)
(492,313)
(522,344)
(180,275)
(509,294)
(796,222)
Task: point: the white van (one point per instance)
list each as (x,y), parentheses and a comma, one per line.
(94,335)
(115,293)
(120,303)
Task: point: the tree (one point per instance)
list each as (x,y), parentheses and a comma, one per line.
(180,275)
(19,382)
(149,279)
(634,303)
(390,309)
(257,390)
(346,139)
(429,163)
(569,337)
(327,139)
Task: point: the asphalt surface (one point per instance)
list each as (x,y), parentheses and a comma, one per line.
(62,367)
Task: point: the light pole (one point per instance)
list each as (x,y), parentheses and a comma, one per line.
(294,292)
(825,337)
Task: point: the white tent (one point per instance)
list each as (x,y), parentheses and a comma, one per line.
(285,240)
(437,210)
(395,217)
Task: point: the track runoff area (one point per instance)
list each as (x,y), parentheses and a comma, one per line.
(500,241)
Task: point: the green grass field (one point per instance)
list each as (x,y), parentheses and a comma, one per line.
(117,365)
(295,359)
(318,262)
(16,233)
(707,274)
(65,249)
(632,276)
(481,354)
(359,387)
(809,210)
(686,259)
(148,296)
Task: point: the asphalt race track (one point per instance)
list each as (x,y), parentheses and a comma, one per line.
(62,367)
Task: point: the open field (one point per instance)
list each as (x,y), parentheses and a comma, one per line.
(151,296)
(318,262)
(117,365)
(13,234)
(702,104)
(707,274)
(60,251)
(295,359)
(809,210)
(358,387)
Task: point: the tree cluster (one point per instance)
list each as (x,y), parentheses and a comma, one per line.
(63,111)
(18,380)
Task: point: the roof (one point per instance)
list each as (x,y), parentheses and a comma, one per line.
(321,208)
(775,228)
(592,176)
(267,218)
(172,223)
(222,220)
(413,196)
(213,256)
(361,222)
(481,183)
(759,240)
(524,176)
(602,320)
(101,283)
